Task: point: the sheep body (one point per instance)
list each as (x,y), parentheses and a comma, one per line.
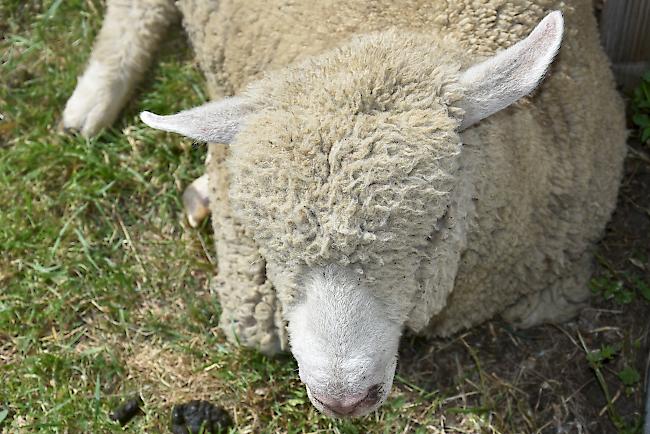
(537,181)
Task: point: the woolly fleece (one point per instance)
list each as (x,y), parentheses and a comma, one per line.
(354,157)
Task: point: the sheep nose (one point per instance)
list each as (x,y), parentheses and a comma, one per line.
(343,406)
(346,405)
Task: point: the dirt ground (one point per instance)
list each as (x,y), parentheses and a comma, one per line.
(540,379)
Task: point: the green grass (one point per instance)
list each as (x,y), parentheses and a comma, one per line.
(641,108)
(104,289)
(89,229)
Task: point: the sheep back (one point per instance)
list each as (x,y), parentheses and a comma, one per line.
(544,173)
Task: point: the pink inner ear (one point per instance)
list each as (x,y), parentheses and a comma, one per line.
(499,81)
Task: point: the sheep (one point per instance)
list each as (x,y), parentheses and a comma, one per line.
(383,167)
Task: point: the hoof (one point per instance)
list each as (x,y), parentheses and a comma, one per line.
(196,202)
(95,102)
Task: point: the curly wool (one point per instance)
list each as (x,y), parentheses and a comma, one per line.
(363,164)
(501,224)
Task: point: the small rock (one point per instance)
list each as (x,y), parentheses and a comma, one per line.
(190,417)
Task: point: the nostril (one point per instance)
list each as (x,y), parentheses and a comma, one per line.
(373,393)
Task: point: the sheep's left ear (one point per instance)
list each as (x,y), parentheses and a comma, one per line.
(499,81)
(216,122)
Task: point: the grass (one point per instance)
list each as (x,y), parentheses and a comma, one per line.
(641,108)
(104,289)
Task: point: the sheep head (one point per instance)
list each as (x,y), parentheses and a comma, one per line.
(346,169)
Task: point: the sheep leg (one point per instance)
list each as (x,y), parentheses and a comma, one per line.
(129,36)
(560,302)
(196,201)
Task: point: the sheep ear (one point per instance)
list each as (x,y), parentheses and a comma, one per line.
(499,81)
(216,122)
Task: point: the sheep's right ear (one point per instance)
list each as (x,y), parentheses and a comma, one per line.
(216,122)
(499,81)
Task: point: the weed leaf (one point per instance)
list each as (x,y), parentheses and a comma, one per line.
(3,415)
(644,289)
(641,120)
(629,376)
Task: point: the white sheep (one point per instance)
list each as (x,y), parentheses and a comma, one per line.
(392,176)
